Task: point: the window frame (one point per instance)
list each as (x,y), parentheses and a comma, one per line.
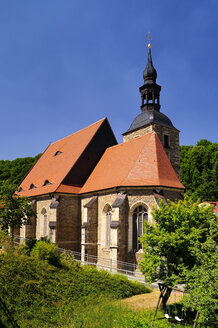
(141,213)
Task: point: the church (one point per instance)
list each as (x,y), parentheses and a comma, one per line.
(92,195)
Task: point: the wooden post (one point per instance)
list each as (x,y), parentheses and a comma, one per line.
(155,313)
(196,320)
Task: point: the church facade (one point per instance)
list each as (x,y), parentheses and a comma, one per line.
(92,195)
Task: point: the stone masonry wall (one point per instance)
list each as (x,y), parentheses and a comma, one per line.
(123,231)
(31,228)
(121,243)
(90,217)
(173,195)
(28,230)
(68,229)
(137,198)
(137,133)
(103,200)
(173,150)
(43,209)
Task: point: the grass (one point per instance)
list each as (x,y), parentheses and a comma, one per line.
(148,301)
(110,315)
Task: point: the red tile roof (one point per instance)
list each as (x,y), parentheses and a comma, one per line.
(141,161)
(68,189)
(215,209)
(215,206)
(55,168)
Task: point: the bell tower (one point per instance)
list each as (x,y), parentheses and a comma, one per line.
(151,119)
(150,91)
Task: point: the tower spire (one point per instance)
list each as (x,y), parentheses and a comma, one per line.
(150,73)
(150,91)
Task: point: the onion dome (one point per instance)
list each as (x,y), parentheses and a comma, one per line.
(150,73)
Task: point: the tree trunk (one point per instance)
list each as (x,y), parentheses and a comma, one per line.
(196,320)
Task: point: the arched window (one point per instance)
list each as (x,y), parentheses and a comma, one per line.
(139,216)
(44,222)
(108,226)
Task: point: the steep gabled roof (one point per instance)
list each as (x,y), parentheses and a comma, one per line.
(141,161)
(57,161)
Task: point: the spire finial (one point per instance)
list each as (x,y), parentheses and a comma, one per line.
(150,73)
(149,38)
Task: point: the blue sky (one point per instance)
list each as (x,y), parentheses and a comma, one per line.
(65,64)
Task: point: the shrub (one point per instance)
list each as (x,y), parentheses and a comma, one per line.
(46,251)
(29,244)
(6,244)
(46,239)
(42,295)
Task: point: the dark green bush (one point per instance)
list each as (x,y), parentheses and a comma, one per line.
(46,239)
(29,244)
(46,251)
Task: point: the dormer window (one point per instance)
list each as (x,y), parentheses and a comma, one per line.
(58,153)
(20,189)
(47,183)
(32,186)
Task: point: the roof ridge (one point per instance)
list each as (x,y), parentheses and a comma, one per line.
(55,169)
(156,155)
(79,131)
(102,120)
(140,153)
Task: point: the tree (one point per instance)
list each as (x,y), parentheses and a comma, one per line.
(14,210)
(168,245)
(199,170)
(201,281)
(14,171)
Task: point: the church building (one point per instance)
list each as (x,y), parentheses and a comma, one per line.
(92,195)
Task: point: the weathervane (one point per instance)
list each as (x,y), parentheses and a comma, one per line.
(149,39)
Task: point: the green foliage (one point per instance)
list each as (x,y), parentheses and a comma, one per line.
(169,245)
(199,170)
(42,295)
(202,281)
(46,251)
(15,211)
(14,171)
(29,244)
